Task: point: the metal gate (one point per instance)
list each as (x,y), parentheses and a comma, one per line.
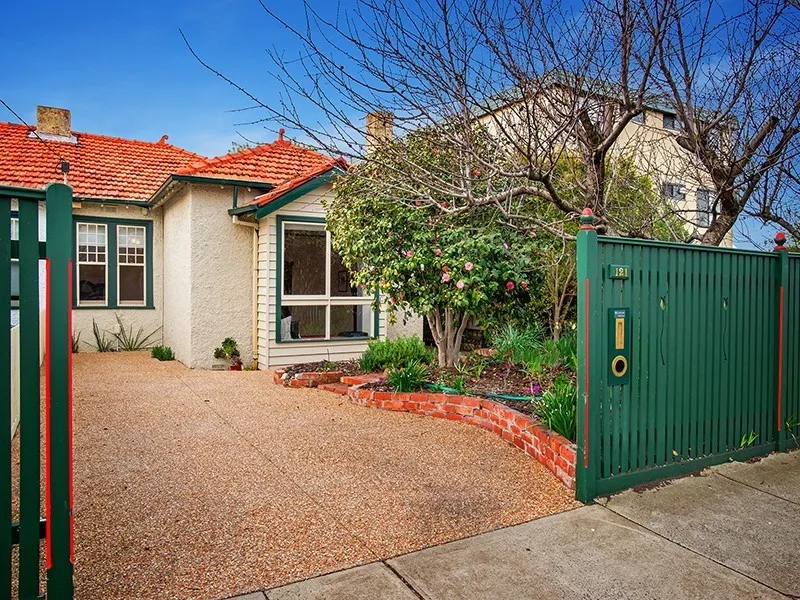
(688,356)
(21,502)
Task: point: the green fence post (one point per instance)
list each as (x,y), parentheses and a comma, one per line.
(59,391)
(30,400)
(781,397)
(587,460)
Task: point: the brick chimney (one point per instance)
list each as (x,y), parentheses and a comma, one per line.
(379,129)
(53,121)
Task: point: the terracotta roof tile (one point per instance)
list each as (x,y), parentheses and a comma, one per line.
(111,167)
(295,182)
(99,166)
(272,163)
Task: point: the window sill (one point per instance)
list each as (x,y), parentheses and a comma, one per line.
(328,340)
(123,307)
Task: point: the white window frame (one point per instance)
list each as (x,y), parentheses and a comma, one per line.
(675,124)
(704,216)
(78,263)
(325,299)
(143,265)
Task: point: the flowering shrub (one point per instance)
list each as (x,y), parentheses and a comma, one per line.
(438,266)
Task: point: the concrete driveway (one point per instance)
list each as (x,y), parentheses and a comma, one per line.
(731,533)
(198,484)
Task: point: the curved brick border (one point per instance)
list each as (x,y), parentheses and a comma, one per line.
(552,450)
(306,379)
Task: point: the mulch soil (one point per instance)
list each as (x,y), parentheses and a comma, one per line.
(348,367)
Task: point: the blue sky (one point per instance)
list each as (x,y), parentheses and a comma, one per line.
(123,69)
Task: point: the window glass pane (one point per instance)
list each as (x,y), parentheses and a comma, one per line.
(703,205)
(131,283)
(130,245)
(14,228)
(303,259)
(351,320)
(340,278)
(91,283)
(302,322)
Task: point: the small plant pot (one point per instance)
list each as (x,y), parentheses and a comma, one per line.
(236,367)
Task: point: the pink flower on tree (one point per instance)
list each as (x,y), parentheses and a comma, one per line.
(445,269)
(460,284)
(524,285)
(409,253)
(391,300)
(505,246)
(437,252)
(510,285)
(468,266)
(532,233)
(446,277)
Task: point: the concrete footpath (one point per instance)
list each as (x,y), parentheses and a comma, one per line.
(732,532)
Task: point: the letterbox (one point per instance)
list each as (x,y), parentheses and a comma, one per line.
(619,346)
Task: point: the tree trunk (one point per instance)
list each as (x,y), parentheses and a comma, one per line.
(448,331)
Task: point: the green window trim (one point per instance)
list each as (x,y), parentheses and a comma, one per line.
(112,262)
(376,315)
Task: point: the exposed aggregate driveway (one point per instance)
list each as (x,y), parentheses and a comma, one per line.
(203,484)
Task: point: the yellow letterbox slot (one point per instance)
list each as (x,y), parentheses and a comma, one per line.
(619,338)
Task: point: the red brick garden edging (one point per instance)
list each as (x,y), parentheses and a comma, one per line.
(306,379)
(526,433)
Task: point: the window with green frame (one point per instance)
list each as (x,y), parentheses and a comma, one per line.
(316,300)
(113,263)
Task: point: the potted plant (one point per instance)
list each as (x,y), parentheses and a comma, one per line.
(229,352)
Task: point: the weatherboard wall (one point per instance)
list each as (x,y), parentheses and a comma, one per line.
(271,353)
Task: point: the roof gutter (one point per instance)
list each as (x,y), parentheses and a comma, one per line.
(157,199)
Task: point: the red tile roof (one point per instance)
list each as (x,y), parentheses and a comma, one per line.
(99,166)
(290,184)
(273,163)
(110,167)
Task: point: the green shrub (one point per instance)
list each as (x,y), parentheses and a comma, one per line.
(558,406)
(568,350)
(129,341)
(518,345)
(393,354)
(229,350)
(101,342)
(408,378)
(162,353)
(76,342)
(460,384)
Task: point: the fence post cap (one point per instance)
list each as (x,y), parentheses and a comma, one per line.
(587,219)
(780,241)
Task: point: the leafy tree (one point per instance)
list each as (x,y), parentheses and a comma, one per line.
(447,266)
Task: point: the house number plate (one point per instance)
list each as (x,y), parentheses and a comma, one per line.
(619,271)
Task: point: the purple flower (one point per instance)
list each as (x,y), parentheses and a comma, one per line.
(535,389)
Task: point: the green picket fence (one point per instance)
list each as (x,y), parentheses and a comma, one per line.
(23,254)
(688,358)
